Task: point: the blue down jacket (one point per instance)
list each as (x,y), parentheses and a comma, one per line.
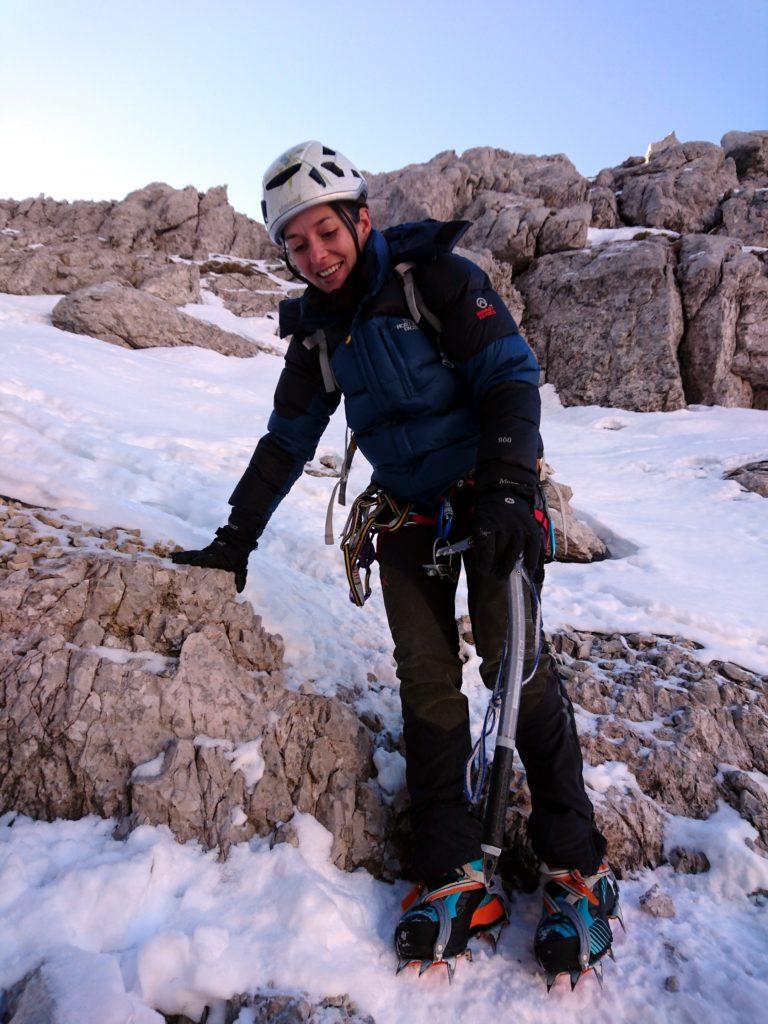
(424,409)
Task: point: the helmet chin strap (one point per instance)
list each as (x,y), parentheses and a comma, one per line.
(351,225)
(291,267)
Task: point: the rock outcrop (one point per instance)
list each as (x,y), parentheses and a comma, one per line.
(660,725)
(724,354)
(136,690)
(606,324)
(575,541)
(678,186)
(594,325)
(133,318)
(752,477)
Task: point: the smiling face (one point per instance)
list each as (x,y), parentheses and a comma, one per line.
(321,245)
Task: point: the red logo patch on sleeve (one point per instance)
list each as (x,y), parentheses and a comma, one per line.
(485,312)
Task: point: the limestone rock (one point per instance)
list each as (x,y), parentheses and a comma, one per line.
(679,186)
(507,225)
(58,268)
(574,540)
(439,189)
(135,319)
(744,215)
(242,295)
(564,230)
(178,283)
(447,185)
(55,247)
(749,151)
(752,477)
(724,355)
(500,277)
(606,324)
(133,689)
(657,903)
(605,211)
(688,862)
(691,717)
(553,179)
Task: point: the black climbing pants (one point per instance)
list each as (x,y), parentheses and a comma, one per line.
(422,618)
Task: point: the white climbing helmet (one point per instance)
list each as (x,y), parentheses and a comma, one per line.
(306,175)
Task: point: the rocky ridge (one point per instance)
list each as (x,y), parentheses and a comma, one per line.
(656,270)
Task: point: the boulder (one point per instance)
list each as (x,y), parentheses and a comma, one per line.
(657,903)
(59,268)
(517,229)
(247,294)
(508,225)
(606,324)
(724,355)
(178,283)
(448,184)
(133,689)
(500,277)
(749,152)
(564,230)
(553,179)
(678,186)
(744,215)
(574,540)
(752,477)
(605,210)
(135,319)
(440,189)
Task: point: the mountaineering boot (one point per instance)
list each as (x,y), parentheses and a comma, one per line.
(444,913)
(574,933)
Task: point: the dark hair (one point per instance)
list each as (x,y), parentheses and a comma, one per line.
(352,207)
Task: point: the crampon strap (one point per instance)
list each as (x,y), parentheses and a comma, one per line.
(371,511)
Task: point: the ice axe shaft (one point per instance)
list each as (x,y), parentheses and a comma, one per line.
(504,751)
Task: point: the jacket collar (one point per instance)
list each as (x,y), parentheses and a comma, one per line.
(414,242)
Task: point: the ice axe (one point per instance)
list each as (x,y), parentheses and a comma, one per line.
(507,693)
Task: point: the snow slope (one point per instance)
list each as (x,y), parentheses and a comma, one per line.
(156,439)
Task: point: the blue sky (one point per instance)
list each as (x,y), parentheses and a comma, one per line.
(99,98)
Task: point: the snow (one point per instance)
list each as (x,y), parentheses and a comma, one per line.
(156,440)
(598,236)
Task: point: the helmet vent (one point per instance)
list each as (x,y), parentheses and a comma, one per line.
(264,210)
(334,168)
(282,177)
(328,152)
(355,173)
(315,175)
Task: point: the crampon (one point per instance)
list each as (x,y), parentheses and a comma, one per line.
(574,933)
(442,916)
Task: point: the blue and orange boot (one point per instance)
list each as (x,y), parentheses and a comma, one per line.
(574,933)
(443,914)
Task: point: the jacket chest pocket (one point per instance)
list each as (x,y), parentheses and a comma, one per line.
(396,355)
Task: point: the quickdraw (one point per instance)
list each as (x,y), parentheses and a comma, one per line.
(372,511)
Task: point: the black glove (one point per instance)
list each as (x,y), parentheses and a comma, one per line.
(229,551)
(505,528)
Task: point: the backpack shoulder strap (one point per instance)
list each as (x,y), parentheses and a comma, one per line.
(318,340)
(417,307)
